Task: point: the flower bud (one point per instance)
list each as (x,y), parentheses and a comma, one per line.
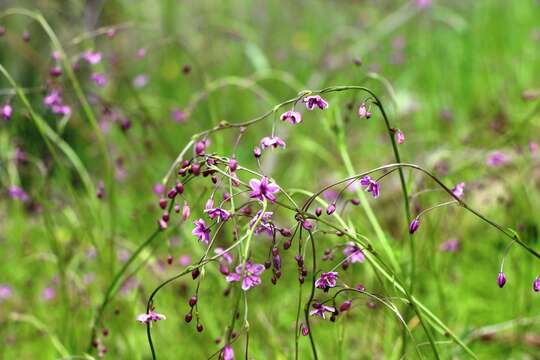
(193,301)
(345,306)
(257,152)
(162,203)
(285,232)
(318,211)
(195,273)
(501,279)
(233,165)
(536,285)
(188,317)
(169,259)
(415,224)
(330,210)
(179,188)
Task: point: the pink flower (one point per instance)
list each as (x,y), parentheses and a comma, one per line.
(178,115)
(315,101)
(262,189)
(201,231)
(265,224)
(7,111)
(17,193)
(151,316)
(99,79)
(186,211)
(140,81)
(228,353)
(363,111)
(293,117)
(451,245)
(400,137)
(250,276)
(354,253)
(141,53)
(458,189)
(273,141)
(497,158)
(92,57)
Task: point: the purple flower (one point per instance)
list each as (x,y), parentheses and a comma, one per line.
(293,117)
(141,53)
(400,137)
(536,285)
(345,306)
(186,211)
(497,158)
(224,255)
(371,186)
(48,293)
(140,81)
(501,279)
(99,79)
(363,111)
(265,224)
(423,4)
(533,147)
(250,276)
(354,253)
(327,280)
(414,225)
(330,209)
(320,309)
(262,189)
(228,353)
(220,213)
(151,316)
(178,115)
(273,141)
(92,57)
(458,189)
(451,245)
(17,193)
(159,188)
(7,111)
(5,292)
(316,100)
(201,231)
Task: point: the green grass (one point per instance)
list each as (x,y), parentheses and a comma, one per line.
(474,58)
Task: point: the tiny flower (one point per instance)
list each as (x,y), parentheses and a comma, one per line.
(99,79)
(316,100)
(330,209)
(306,224)
(224,255)
(228,353)
(536,285)
(158,188)
(400,137)
(501,279)
(220,213)
(458,189)
(304,329)
(250,276)
(371,186)
(7,112)
(140,81)
(48,294)
(265,223)
(345,306)
(200,146)
(17,193)
(262,189)
(257,152)
(92,57)
(178,115)
(233,165)
(141,53)
(327,280)
(354,253)
(320,309)
(533,147)
(186,211)
(149,317)
(415,224)
(363,111)
(5,292)
(201,231)
(451,245)
(293,117)
(497,158)
(273,141)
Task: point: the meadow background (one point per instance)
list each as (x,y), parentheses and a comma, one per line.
(460,78)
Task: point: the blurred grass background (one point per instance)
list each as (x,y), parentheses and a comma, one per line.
(460,78)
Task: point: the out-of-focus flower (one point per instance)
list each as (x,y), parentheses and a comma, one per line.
(497,158)
(92,57)
(99,79)
(178,115)
(353,253)
(7,112)
(451,245)
(5,292)
(140,81)
(17,193)
(228,353)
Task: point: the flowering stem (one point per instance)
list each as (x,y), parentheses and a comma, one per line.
(308,304)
